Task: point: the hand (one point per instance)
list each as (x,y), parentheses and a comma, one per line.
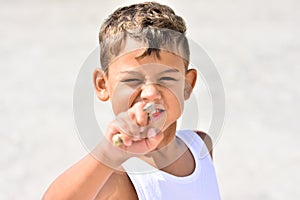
(137,132)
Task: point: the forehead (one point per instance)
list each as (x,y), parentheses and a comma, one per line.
(131,61)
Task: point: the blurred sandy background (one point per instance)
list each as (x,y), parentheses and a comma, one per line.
(254,44)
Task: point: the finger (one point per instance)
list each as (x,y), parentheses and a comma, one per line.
(127,126)
(111,131)
(124,123)
(138,115)
(116,135)
(127,140)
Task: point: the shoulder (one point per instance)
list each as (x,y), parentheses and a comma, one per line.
(207,140)
(118,186)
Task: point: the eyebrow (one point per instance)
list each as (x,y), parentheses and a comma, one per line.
(170,70)
(130,72)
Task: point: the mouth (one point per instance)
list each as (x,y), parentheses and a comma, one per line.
(156,113)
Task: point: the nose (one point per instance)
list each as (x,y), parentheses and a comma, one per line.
(150,93)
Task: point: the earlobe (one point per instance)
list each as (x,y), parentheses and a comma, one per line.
(190,81)
(99,80)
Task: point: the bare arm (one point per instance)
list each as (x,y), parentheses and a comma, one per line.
(87,177)
(82,181)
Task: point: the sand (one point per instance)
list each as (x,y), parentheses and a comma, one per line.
(255,47)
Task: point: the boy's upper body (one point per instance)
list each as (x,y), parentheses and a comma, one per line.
(144,58)
(191,176)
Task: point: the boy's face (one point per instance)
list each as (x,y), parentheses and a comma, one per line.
(163,81)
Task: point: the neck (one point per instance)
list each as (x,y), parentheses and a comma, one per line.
(169,136)
(168,151)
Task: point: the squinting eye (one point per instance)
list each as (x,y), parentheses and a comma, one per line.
(132,81)
(167,79)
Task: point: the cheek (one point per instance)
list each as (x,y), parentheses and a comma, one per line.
(175,101)
(177,94)
(122,98)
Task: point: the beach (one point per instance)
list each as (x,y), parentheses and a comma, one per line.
(254,45)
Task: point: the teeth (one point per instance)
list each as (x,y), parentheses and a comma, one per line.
(152,108)
(159,110)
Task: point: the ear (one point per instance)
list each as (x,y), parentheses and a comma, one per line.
(190,81)
(100,81)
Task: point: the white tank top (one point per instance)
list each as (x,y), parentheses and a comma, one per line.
(159,185)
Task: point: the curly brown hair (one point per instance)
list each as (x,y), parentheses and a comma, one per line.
(150,22)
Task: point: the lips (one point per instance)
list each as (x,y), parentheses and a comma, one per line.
(157,113)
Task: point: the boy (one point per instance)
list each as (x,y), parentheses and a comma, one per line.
(144,60)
